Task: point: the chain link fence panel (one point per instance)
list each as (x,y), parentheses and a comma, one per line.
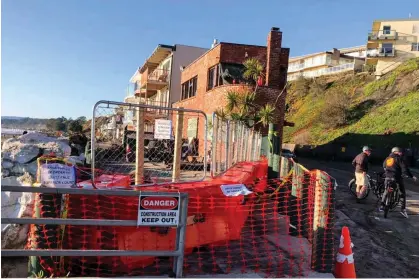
(232,142)
(152,144)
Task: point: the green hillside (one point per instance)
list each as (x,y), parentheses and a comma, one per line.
(331,108)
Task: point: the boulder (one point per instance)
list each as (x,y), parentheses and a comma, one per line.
(20,169)
(6,164)
(5,172)
(26,153)
(51,144)
(16,205)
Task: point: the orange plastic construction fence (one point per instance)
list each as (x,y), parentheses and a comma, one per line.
(275,231)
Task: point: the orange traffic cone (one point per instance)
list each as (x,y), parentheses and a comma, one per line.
(345,266)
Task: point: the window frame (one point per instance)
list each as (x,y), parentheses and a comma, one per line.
(189,88)
(387,48)
(213,72)
(385,31)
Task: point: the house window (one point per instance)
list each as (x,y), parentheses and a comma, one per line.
(213,77)
(386,29)
(415,47)
(189,88)
(387,48)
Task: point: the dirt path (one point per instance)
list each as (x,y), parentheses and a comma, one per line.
(383,247)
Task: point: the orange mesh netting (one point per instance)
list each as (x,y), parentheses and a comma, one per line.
(275,231)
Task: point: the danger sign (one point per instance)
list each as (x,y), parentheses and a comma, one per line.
(158,210)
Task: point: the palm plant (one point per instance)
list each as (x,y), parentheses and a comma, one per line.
(242,107)
(233,101)
(248,101)
(266,114)
(221,114)
(253,69)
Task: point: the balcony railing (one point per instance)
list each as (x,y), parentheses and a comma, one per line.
(295,67)
(159,75)
(382,35)
(323,72)
(381,52)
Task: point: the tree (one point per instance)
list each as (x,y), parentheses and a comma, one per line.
(60,126)
(82,119)
(75,126)
(51,124)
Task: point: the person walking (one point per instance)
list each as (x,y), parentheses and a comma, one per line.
(360,164)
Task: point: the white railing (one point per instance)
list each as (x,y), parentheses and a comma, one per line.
(382,35)
(381,52)
(321,72)
(295,67)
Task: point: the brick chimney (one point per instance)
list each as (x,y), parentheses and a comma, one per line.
(273,58)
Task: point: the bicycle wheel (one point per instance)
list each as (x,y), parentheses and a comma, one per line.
(352,189)
(387,203)
(395,200)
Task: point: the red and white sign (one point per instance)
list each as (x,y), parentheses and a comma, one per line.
(158,211)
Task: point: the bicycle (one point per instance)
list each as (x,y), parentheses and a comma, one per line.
(392,195)
(377,186)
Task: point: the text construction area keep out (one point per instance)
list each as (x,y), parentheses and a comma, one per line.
(158,211)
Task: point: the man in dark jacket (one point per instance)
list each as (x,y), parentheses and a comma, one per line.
(361,168)
(395,167)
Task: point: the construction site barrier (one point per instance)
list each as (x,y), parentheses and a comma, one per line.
(239,222)
(152,144)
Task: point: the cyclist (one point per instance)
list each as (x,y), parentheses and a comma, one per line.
(394,167)
(361,168)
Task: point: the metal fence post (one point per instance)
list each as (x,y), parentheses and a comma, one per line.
(178,146)
(180,238)
(214,145)
(139,149)
(323,223)
(274,152)
(227,147)
(241,149)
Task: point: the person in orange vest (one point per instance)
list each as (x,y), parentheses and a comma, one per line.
(394,169)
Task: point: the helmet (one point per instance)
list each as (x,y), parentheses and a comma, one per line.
(366,148)
(396,149)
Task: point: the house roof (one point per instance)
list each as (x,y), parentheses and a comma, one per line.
(158,55)
(351,49)
(399,19)
(341,50)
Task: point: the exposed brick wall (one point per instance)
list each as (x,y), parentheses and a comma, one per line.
(216,99)
(273,56)
(200,67)
(236,53)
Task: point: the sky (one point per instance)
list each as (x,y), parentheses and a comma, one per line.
(59,57)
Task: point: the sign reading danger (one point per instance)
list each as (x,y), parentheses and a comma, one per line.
(158,210)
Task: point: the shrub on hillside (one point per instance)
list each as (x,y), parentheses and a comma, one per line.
(317,87)
(336,111)
(302,86)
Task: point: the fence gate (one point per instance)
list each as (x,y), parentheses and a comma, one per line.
(152,144)
(81,231)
